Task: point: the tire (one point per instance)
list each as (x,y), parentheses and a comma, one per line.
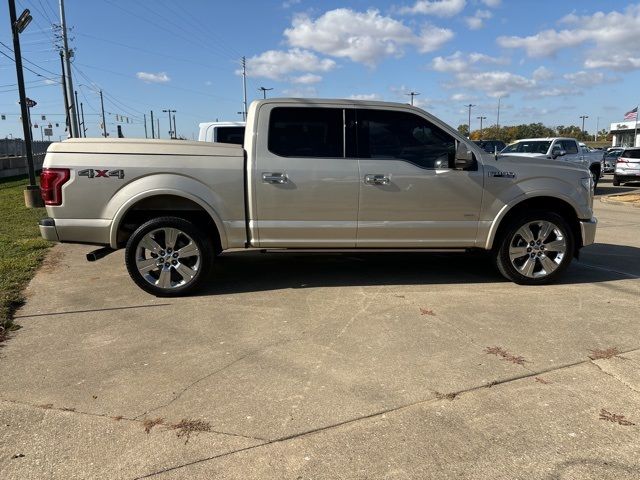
(551,253)
(186,254)
(616,182)
(595,174)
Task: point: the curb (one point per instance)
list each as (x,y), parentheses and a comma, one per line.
(610,199)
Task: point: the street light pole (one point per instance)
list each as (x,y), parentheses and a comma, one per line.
(469,107)
(264,91)
(31,193)
(481,118)
(104,120)
(172,133)
(583,117)
(412,94)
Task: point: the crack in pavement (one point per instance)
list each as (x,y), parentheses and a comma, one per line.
(95,310)
(603,370)
(117,418)
(597,267)
(373,415)
(215,372)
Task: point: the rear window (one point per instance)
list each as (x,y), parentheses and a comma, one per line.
(306,132)
(230,135)
(528,147)
(631,154)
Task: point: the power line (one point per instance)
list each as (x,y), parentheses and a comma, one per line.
(27,68)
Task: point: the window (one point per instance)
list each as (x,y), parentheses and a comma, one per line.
(526,146)
(569,146)
(306,132)
(386,134)
(230,135)
(631,154)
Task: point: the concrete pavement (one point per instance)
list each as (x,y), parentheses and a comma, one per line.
(330,366)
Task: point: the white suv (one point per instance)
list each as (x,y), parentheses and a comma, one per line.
(627,167)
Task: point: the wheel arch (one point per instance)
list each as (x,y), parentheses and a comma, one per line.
(165,202)
(545,203)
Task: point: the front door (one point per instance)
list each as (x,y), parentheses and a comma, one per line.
(306,190)
(410,193)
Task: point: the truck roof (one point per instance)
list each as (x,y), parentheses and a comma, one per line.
(546,139)
(337,101)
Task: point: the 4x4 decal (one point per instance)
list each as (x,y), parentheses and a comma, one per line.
(97,173)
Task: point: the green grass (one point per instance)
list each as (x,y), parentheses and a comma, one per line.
(21,248)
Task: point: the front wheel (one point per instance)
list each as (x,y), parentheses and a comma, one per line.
(616,182)
(168,256)
(535,249)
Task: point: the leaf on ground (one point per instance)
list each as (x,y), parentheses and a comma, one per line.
(509,357)
(598,354)
(615,418)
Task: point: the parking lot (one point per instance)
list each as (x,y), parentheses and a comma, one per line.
(313,366)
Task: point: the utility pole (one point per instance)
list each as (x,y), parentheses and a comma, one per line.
(153,133)
(595,137)
(481,118)
(175,129)
(583,117)
(104,120)
(84,125)
(73,119)
(469,107)
(145,126)
(264,91)
(412,94)
(31,193)
(498,120)
(64,91)
(171,132)
(80,126)
(244,88)
(158,121)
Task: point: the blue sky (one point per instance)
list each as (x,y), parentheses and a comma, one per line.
(548,61)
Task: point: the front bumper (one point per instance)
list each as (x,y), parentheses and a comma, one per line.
(588,230)
(48,229)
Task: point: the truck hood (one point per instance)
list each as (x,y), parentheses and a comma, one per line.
(529,155)
(540,164)
(145,147)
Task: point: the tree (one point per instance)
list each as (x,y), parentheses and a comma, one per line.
(463,129)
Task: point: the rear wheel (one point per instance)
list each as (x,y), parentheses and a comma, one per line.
(535,249)
(595,174)
(168,256)
(616,181)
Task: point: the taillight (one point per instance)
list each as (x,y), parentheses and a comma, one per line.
(51,181)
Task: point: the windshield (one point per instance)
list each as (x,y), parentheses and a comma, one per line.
(528,147)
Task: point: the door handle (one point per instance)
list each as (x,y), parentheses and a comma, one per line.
(372,179)
(276,178)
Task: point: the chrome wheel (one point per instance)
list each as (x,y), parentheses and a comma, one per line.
(537,249)
(167,258)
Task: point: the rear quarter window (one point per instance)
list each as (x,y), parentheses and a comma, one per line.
(631,154)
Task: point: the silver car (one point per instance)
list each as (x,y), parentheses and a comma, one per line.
(627,167)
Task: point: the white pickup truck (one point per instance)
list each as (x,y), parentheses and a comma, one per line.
(314,174)
(567,149)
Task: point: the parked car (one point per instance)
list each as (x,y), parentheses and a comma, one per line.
(627,166)
(315,174)
(566,149)
(222,132)
(609,159)
(491,146)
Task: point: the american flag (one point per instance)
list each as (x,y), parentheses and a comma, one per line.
(631,114)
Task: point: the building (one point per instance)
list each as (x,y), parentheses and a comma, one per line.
(623,133)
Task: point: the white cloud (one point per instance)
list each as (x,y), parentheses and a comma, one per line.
(494,84)
(555,92)
(364,37)
(459,62)
(492,3)
(476,22)
(460,97)
(306,79)
(542,73)
(615,37)
(290,3)
(438,8)
(160,77)
(49,81)
(301,92)
(588,79)
(365,96)
(208,83)
(277,64)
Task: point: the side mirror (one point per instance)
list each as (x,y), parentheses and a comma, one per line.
(464,157)
(558,152)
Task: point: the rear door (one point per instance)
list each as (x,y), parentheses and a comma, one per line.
(410,194)
(628,164)
(306,189)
